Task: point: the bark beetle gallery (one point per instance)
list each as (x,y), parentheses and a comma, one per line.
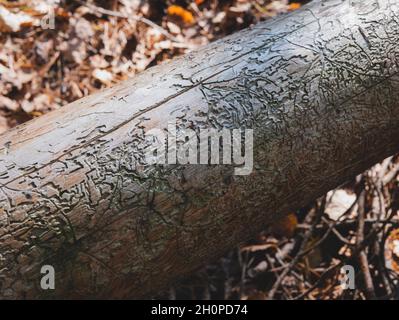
(319,89)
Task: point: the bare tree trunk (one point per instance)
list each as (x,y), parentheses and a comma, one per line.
(320,89)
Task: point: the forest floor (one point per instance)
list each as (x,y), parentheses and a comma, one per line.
(46,63)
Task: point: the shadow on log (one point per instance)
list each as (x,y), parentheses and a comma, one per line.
(319,88)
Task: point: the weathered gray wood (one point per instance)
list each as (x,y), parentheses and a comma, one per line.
(320,88)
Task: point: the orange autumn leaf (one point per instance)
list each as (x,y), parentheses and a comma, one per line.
(392,250)
(294,6)
(184,14)
(36,113)
(198,2)
(285,226)
(62,13)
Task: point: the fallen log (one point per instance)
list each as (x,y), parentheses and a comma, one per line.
(318,87)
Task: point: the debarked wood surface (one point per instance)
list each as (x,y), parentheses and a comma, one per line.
(320,89)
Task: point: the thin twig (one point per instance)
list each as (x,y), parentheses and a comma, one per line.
(293,262)
(363,261)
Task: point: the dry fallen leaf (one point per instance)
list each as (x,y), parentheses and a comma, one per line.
(294,6)
(8,103)
(338,202)
(173,28)
(185,15)
(103,76)
(16,78)
(241,7)
(219,17)
(13,22)
(392,251)
(285,226)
